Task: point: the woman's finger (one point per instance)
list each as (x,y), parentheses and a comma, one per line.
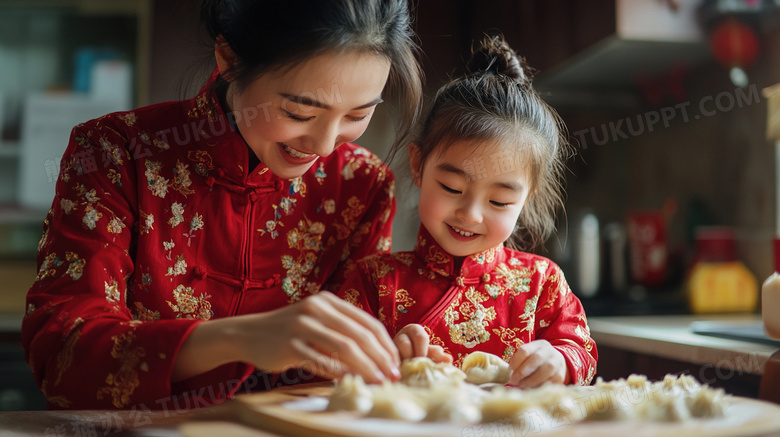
(367,321)
(347,321)
(322,340)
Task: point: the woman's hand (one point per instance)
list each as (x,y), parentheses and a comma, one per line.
(412,341)
(321,333)
(538,362)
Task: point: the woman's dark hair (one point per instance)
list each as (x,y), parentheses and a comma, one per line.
(268,35)
(495,101)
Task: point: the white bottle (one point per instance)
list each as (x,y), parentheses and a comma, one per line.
(588,256)
(770,305)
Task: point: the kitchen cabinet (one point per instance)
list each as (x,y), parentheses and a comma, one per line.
(46,49)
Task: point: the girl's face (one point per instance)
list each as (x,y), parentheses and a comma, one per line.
(290,118)
(471,195)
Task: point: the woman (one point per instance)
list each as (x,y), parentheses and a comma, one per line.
(186,238)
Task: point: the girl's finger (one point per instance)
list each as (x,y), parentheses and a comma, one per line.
(404,345)
(419,339)
(437,354)
(541,375)
(522,370)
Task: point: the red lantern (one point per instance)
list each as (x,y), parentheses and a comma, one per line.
(734,44)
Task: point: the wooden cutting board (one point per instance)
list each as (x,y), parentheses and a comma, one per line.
(299,412)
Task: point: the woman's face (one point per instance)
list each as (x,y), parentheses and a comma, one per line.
(292,117)
(471,195)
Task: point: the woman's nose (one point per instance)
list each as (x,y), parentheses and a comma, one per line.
(325,139)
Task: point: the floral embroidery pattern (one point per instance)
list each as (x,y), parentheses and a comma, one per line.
(67,205)
(177,209)
(351,296)
(188,306)
(328,205)
(307,239)
(320,174)
(351,216)
(145,315)
(115,226)
(48,265)
(179,267)
(112,290)
(487,256)
(91,216)
(517,280)
(508,336)
(128,118)
(76,267)
(115,177)
(147,223)
(470,332)
(203,162)
(113,152)
(157,184)
(181,180)
(196,224)
(123,383)
(369,162)
(529,315)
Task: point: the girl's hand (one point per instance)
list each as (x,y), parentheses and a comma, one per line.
(412,341)
(538,362)
(321,333)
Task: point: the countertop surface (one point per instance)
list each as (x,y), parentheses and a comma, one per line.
(671,337)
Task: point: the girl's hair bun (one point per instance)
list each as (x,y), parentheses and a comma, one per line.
(493,55)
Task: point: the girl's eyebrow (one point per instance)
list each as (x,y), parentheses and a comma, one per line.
(450,168)
(308,101)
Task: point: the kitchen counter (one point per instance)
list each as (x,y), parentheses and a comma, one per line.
(656,345)
(670,337)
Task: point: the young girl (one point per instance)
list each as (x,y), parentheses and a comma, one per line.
(488,163)
(187,240)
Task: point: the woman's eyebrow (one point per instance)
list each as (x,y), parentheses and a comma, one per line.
(308,101)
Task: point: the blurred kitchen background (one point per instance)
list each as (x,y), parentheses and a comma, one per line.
(666,104)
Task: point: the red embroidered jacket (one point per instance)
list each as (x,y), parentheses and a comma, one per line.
(157,225)
(494,301)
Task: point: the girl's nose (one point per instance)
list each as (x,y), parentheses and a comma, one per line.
(469,212)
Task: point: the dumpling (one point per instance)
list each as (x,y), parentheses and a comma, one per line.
(350,394)
(483,368)
(454,406)
(395,401)
(423,372)
(605,404)
(665,407)
(503,404)
(708,402)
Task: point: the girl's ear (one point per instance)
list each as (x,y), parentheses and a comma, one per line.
(226,58)
(415,163)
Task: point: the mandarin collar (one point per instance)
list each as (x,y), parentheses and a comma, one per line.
(227,154)
(478,265)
